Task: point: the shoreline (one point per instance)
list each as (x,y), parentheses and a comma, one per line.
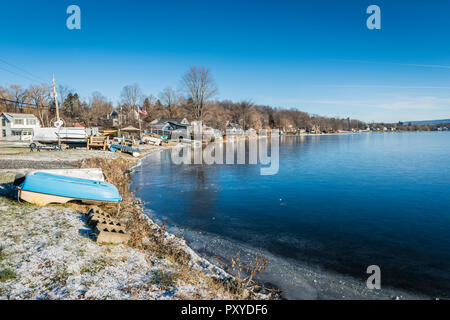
(297,281)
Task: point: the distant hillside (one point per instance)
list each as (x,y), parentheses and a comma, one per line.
(428,122)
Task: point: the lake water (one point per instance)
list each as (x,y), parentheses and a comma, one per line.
(339,202)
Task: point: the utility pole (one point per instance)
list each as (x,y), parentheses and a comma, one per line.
(55,96)
(120,116)
(139,121)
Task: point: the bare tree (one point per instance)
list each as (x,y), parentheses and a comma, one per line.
(4,93)
(131,95)
(169,98)
(244,112)
(200,86)
(100,107)
(217,116)
(63,92)
(19,95)
(41,98)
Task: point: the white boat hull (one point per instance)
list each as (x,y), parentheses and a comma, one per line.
(89,174)
(50,135)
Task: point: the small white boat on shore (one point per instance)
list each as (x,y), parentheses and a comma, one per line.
(152,141)
(65,135)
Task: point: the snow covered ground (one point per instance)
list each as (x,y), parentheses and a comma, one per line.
(46,253)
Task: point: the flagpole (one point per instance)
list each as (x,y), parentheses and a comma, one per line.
(55,95)
(140,127)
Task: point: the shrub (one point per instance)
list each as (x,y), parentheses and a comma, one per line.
(7,275)
(2,254)
(165,278)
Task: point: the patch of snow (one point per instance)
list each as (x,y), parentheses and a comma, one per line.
(50,251)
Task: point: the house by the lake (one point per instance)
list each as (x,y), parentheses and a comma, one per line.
(174,128)
(18,126)
(251,132)
(234,129)
(114,119)
(164,121)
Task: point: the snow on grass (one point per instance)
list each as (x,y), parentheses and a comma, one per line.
(46,253)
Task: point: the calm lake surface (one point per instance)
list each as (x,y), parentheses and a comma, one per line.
(341,202)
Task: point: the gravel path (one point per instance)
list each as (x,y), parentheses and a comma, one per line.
(21,158)
(33,164)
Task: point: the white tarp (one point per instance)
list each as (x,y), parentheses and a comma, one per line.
(66,134)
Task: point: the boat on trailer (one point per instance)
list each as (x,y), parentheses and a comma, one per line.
(70,136)
(42,188)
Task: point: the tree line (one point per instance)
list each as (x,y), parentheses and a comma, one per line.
(194,100)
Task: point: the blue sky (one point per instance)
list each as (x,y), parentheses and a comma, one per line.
(317,56)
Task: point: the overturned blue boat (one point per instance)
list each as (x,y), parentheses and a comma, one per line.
(43,188)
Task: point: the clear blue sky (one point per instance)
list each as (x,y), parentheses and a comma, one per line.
(317,56)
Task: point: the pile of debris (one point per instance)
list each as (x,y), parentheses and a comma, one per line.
(107,230)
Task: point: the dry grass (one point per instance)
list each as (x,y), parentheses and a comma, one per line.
(143,235)
(7,275)
(115,171)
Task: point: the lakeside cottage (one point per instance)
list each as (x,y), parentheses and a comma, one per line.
(234,129)
(18,126)
(251,132)
(175,128)
(113,119)
(164,121)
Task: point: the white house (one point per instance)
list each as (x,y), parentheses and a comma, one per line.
(175,128)
(234,129)
(211,134)
(251,132)
(178,121)
(18,126)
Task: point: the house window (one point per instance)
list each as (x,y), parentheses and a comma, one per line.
(16,132)
(31,122)
(4,133)
(3,122)
(27,133)
(19,121)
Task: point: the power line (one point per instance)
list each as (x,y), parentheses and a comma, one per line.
(17,102)
(19,75)
(23,70)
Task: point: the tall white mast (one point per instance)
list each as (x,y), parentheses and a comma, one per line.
(55,96)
